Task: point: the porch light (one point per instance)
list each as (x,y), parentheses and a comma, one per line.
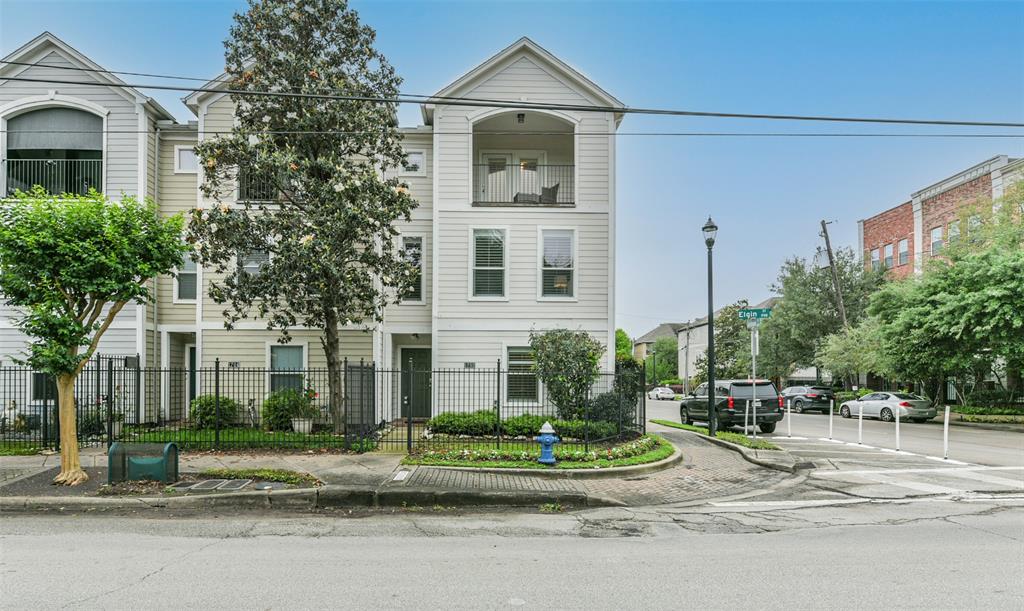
(521,118)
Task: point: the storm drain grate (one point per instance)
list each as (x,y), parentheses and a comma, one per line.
(235,484)
(209,484)
(271,486)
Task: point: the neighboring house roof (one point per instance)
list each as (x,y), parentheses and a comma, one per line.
(665,329)
(522,47)
(39,47)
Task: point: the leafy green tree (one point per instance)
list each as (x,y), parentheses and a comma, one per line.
(732,346)
(623,345)
(568,362)
(854,350)
(70,263)
(331,227)
(664,363)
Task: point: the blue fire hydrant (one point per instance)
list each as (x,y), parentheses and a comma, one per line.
(547,441)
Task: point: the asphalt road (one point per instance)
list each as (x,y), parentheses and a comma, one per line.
(924,555)
(972,445)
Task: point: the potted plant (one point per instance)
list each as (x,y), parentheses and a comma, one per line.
(302,420)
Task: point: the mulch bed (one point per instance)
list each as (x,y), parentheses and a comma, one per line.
(41,484)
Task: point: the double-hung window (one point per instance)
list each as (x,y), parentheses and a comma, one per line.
(186,285)
(286,367)
(904,251)
(887,260)
(252,262)
(876,262)
(522,379)
(412,246)
(954,232)
(557,266)
(489,263)
(936,243)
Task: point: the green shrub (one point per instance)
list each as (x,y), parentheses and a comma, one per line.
(203,412)
(526,425)
(281,406)
(628,376)
(92,423)
(579,429)
(850,395)
(983,410)
(612,407)
(478,424)
(994,398)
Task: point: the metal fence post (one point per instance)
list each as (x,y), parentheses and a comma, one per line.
(497,403)
(138,390)
(407,398)
(216,402)
(110,402)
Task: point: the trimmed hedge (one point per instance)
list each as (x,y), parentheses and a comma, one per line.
(483,423)
(203,412)
(281,406)
(980,410)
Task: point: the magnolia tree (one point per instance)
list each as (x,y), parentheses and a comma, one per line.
(70,264)
(568,362)
(311,172)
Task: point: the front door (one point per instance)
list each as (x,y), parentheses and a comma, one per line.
(416,382)
(496,185)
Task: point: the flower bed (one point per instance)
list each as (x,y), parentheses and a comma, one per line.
(649,448)
(484,423)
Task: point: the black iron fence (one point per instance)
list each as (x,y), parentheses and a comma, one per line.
(402,410)
(524,184)
(55,175)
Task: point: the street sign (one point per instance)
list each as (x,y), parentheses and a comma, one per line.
(755,313)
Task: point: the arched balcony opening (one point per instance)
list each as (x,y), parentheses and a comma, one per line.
(524,158)
(60,149)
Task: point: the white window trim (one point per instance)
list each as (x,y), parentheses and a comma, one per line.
(575,264)
(403,171)
(174,287)
(932,240)
(891,256)
(471,261)
(423,268)
(899,252)
(505,361)
(177,159)
(305,358)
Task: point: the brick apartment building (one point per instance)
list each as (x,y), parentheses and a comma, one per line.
(903,237)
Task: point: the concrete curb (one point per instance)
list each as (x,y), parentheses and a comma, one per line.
(309,499)
(628,471)
(780,460)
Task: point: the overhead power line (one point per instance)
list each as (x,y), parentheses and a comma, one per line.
(413,99)
(556,134)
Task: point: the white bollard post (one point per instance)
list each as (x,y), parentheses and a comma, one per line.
(897,428)
(789,418)
(755,415)
(831,408)
(860,425)
(945,435)
(746,419)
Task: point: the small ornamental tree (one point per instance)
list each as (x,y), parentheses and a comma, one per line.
(568,364)
(623,345)
(70,263)
(314,195)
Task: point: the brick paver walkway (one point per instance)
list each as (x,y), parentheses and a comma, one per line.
(455,479)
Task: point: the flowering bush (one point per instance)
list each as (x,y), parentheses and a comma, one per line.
(625,450)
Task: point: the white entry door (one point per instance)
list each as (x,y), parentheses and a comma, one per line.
(496,185)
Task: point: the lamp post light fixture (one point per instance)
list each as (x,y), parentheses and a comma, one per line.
(710,231)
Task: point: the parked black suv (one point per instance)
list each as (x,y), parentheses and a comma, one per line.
(731,399)
(806,398)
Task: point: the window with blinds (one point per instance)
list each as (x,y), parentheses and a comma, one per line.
(286,367)
(187,285)
(253,262)
(488,263)
(557,264)
(522,379)
(413,248)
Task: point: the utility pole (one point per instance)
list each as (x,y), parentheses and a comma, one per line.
(835,273)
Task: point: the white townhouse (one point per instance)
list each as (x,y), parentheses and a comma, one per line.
(515,228)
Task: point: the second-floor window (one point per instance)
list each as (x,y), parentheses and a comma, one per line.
(936,237)
(252,262)
(887,260)
(415,163)
(488,263)
(186,284)
(412,246)
(557,262)
(904,251)
(876,262)
(954,232)
(185,161)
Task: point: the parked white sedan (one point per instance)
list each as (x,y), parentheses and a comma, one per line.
(885,405)
(661,392)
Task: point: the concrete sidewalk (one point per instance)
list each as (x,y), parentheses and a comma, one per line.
(705,471)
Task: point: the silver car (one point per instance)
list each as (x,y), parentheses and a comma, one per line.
(661,392)
(885,405)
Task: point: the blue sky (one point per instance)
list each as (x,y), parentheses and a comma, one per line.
(942,60)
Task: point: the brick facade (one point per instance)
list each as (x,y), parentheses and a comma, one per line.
(889,228)
(938,211)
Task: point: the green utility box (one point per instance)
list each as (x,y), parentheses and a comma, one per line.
(142,461)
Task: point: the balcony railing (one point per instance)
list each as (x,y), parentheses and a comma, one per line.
(55,175)
(256,188)
(503,184)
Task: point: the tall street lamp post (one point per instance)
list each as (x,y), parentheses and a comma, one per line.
(710,231)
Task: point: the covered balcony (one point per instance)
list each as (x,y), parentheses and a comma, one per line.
(524,158)
(60,149)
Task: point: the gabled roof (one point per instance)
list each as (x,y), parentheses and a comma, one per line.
(665,329)
(192,100)
(35,49)
(520,48)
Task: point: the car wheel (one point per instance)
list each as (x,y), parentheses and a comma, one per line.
(767,427)
(886,415)
(684,416)
(844,411)
(798,407)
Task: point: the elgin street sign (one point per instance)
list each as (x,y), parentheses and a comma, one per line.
(755,313)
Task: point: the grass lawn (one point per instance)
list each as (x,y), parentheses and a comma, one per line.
(647,449)
(244,438)
(737,438)
(263,475)
(19,449)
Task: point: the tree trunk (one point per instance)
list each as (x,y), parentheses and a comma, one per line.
(71,473)
(334,378)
